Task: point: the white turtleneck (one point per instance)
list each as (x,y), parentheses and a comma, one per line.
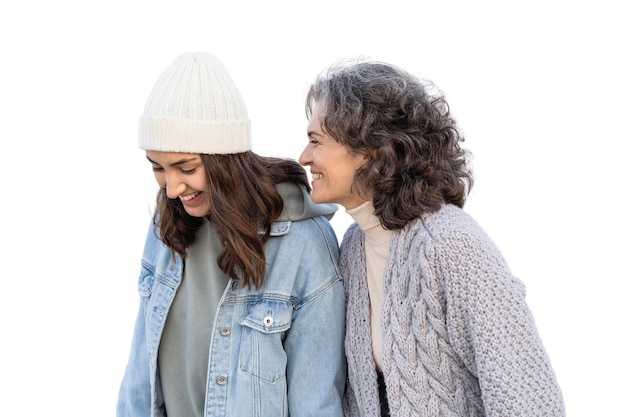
(376,252)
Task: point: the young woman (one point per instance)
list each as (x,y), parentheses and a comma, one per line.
(436,324)
(242,305)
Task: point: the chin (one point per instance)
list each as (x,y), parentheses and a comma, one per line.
(196,212)
(317,199)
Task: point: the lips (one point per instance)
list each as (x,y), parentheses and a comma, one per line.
(188,197)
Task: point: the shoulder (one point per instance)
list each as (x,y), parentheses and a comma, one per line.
(308,241)
(311,231)
(352,236)
(462,251)
(450,219)
(449,239)
(448,227)
(156,255)
(303,261)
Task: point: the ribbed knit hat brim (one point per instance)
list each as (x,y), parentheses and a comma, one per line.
(195,107)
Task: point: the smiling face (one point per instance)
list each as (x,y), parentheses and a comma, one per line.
(183,176)
(332,167)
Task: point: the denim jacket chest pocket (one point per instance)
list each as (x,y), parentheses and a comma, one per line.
(145,283)
(263,330)
(156,292)
(156,289)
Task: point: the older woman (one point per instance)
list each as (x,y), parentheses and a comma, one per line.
(436,323)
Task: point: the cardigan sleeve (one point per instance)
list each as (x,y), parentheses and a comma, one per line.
(491,327)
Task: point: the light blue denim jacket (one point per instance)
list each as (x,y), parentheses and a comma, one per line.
(275,351)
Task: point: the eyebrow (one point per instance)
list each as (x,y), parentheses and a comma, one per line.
(177,163)
(313,133)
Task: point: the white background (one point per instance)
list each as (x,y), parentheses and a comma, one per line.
(537,88)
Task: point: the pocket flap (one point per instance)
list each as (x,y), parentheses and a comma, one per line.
(269,316)
(146,282)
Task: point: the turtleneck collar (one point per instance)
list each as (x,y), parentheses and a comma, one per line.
(364,216)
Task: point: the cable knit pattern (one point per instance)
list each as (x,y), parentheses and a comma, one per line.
(459,339)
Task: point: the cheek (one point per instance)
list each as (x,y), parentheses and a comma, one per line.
(347,168)
(199,183)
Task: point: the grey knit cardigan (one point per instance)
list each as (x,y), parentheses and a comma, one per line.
(459,339)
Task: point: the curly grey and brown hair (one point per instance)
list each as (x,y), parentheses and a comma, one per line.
(415,162)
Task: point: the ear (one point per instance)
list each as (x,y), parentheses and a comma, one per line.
(364,159)
(371,154)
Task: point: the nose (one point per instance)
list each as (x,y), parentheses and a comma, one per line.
(174,187)
(305,156)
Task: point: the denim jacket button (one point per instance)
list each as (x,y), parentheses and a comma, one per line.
(221,380)
(268,321)
(225,331)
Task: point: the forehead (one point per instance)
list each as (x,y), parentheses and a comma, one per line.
(169,158)
(315,122)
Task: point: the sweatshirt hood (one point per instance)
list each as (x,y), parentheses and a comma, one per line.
(298,204)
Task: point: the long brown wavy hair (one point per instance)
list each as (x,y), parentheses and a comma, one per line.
(414,159)
(244,202)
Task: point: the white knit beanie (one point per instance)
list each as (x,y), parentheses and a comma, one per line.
(195,107)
